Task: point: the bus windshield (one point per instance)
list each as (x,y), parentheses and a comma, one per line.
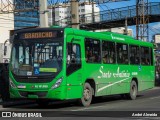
(36,58)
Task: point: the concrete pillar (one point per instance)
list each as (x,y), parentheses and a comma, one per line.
(75,14)
(43,13)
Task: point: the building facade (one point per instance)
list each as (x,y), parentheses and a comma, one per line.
(28,17)
(6,24)
(19,19)
(62,16)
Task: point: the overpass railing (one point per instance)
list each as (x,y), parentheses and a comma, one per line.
(112,15)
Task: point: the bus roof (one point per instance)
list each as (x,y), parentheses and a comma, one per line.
(37,29)
(95,35)
(119,38)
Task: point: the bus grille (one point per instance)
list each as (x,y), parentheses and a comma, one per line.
(33,80)
(39,94)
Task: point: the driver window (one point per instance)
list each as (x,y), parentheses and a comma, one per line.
(73,54)
(73,58)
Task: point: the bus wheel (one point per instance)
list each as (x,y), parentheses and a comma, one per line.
(133,91)
(87,95)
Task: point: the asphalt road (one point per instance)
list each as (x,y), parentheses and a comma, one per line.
(146,101)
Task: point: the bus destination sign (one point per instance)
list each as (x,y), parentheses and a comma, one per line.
(38,35)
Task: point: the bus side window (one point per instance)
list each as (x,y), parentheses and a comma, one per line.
(134,55)
(145,56)
(92,48)
(122,53)
(73,58)
(151,56)
(108,52)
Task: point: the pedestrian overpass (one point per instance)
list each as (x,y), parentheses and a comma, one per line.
(116,17)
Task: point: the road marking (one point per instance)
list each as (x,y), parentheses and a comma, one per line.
(155,97)
(87,108)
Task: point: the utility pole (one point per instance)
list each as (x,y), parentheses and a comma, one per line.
(142,20)
(43,13)
(93,19)
(126,27)
(53,16)
(75,14)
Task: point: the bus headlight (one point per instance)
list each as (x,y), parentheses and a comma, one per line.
(12,84)
(57,84)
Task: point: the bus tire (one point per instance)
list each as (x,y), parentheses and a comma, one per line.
(87,95)
(133,91)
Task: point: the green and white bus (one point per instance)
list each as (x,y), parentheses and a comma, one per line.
(66,63)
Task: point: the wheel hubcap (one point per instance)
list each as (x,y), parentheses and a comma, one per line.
(134,90)
(87,94)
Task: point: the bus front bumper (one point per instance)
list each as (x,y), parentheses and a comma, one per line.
(58,93)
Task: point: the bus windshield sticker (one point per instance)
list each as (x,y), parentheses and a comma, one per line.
(95,42)
(36,65)
(29,73)
(124,47)
(48,69)
(36,70)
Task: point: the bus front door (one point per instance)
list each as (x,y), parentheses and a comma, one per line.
(74,70)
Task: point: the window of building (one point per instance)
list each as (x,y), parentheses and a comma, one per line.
(92,50)
(122,53)
(134,55)
(82,10)
(108,52)
(82,4)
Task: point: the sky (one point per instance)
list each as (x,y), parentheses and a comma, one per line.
(113,5)
(154,28)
